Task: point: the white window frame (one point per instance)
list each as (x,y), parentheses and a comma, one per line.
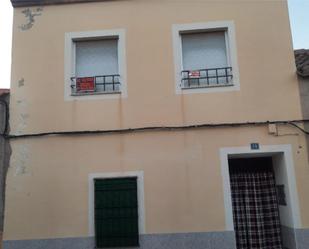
(70,62)
(140,197)
(231,52)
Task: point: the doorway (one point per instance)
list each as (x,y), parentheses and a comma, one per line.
(254,202)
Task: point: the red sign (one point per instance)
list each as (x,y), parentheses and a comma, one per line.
(194,74)
(85,84)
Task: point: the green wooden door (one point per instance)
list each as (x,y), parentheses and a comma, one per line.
(116,212)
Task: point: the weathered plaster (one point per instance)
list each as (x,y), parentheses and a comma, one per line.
(30,15)
(21,82)
(22,116)
(20,160)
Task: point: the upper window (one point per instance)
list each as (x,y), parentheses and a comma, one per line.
(95,64)
(205,61)
(205,57)
(96,67)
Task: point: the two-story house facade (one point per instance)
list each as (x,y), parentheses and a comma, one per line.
(155,124)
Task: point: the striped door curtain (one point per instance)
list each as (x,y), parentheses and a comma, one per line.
(255,210)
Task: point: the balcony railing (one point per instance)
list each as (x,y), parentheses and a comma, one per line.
(210,77)
(95,84)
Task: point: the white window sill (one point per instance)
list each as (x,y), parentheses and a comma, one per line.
(208,89)
(95,93)
(208,86)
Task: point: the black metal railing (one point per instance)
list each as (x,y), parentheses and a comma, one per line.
(95,84)
(207,77)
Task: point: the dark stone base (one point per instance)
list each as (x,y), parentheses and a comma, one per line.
(295,238)
(211,240)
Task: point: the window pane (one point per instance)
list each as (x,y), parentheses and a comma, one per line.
(204,50)
(94,58)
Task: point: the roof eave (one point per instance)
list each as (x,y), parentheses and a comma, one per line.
(29,3)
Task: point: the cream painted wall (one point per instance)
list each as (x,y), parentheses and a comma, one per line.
(265,56)
(47,184)
(47,187)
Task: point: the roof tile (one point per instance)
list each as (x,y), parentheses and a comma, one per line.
(302,62)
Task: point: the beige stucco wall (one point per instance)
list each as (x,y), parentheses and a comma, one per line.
(265,56)
(47,184)
(47,191)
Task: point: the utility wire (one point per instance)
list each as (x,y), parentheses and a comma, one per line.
(299,128)
(159,128)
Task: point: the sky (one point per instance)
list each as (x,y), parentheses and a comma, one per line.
(298,10)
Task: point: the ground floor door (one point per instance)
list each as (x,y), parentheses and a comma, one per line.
(255,205)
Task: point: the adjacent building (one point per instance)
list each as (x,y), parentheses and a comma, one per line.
(155,124)
(5,151)
(302,65)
